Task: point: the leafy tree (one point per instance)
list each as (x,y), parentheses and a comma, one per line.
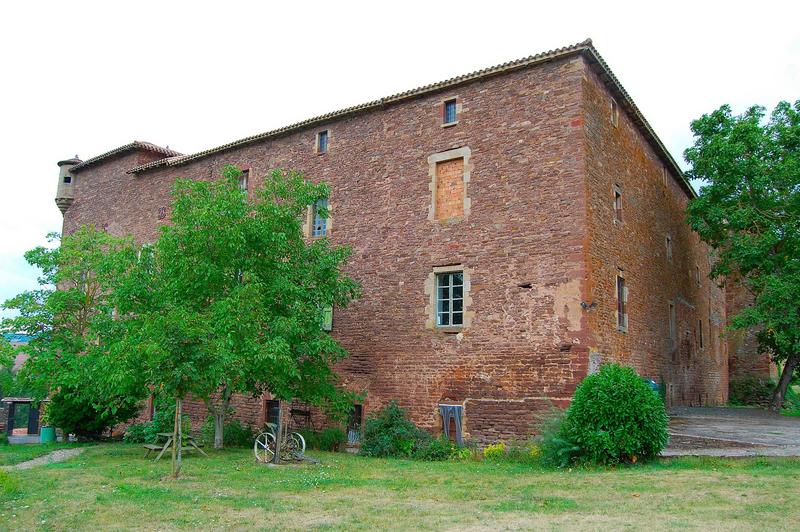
(230,299)
(748,210)
(71,327)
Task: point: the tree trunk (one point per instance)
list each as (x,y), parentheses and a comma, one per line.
(219,428)
(278,437)
(177,439)
(783,383)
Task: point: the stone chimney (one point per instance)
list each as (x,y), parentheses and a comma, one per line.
(64,193)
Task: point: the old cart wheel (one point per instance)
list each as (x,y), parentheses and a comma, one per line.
(300,442)
(264,447)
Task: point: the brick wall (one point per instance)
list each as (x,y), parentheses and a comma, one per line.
(450,189)
(538,242)
(653,207)
(745,358)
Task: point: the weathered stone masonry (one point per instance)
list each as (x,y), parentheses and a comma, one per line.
(517,194)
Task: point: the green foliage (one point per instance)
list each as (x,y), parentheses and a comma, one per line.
(616,417)
(3,438)
(332,439)
(311,438)
(71,411)
(135,433)
(751,391)
(494,451)
(439,449)
(748,210)
(235,434)
(391,434)
(556,448)
(72,329)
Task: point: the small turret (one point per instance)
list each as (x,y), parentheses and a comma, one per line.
(64,193)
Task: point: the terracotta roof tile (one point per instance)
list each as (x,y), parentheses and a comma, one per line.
(136,144)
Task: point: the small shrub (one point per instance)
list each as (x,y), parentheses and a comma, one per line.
(435,450)
(555,447)
(495,451)
(332,439)
(135,433)
(522,452)
(615,417)
(3,438)
(751,391)
(391,433)
(461,454)
(311,438)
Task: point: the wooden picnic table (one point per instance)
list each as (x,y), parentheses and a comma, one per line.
(190,444)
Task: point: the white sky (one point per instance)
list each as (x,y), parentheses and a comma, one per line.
(85,77)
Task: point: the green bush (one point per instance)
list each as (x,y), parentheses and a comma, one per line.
(556,448)
(391,434)
(134,433)
(751,391)
(311,438)
(616,417)
(495,451)
(3,438)
(436,450)
(73,414)
(332,439)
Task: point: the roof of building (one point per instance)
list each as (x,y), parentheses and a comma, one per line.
(585,48)
(135,145)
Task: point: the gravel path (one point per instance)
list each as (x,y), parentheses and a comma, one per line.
(56,456)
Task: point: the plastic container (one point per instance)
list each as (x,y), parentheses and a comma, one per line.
(47,435)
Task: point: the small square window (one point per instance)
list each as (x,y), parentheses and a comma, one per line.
(322,142)
(243,179)
(450,299)
(450,111)
(614,113)
(320,219)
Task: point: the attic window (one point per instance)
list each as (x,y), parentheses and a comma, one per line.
(614,113)
(449,111)
(322,142)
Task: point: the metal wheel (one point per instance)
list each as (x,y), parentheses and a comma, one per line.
(264,447)
(298,444)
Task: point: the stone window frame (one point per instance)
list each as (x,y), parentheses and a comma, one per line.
(431,307)
(328,138)
(308,223)
(443,109)
(622,324)
(457,153)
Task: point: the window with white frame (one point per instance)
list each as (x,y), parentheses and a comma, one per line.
(319,219)
(450,299)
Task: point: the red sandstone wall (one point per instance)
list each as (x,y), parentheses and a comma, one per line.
(620,155)
(745,358)
(526,224)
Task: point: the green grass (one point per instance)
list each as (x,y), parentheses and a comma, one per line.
(113,486)
(14,454)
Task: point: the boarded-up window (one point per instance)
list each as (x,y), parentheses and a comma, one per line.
(450,189)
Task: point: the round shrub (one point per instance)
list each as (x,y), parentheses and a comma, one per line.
(615,416)
(332,439)
(392,434)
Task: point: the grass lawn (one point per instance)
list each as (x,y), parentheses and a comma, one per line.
(112,486)
(14,454)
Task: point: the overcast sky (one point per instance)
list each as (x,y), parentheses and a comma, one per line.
(83,78)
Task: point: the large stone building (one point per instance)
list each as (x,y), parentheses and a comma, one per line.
(512,228)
